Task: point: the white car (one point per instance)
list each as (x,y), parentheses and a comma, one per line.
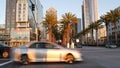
(110,45)
(45,52)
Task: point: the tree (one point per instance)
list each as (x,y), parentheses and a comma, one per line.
(68,19)
(58,31)
(91,27)
(49,22)
(96,27)
(106,20)
(82,34)
(114,16)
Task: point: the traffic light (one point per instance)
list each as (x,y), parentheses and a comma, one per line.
(33,7)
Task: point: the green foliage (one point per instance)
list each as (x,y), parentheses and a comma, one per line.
(69,20)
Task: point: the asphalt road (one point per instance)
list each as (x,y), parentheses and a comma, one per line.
(94,57)
(105,57)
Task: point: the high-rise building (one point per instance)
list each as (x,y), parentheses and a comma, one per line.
(22,20)
(89,15)
(79,26)
(10,15)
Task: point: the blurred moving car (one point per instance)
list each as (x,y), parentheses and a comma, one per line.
(45,52)
(4,51)
(110,45)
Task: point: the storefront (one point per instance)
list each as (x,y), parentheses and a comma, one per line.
(19,37)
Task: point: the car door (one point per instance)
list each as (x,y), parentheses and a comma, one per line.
(39,53)
(53,53)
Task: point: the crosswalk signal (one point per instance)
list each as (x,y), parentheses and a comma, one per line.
(33,7)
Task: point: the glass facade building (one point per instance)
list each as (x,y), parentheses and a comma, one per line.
(90,12)
(89,15)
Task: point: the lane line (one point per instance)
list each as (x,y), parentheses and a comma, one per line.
(5,63)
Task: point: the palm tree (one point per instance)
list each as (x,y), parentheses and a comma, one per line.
(68,19)
(106,20)
(58,31)
(96,27)
(91,27)
(114,16)
(83,33)
(86,32)
(49,21)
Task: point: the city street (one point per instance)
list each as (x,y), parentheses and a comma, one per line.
(31,29)
(94,57)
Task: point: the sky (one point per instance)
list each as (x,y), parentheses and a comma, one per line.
(64,6)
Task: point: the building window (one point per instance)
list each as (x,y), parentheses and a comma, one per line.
(13,10)
(19,12)
(118,26)
(24,15)
(109,29)
(18,15)
(112,28)
(113,33)
(19,8)
(24,8)
(12,24)
(24,4)
(20,5)
(24,12)
(19,19)
(23,19)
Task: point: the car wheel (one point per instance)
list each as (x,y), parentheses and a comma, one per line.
(24,59)
(70,58)
(5,54)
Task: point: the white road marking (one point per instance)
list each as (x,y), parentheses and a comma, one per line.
(5,63)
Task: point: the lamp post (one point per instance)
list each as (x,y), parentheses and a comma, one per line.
(36,29)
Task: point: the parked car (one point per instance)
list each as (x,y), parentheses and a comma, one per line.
(4,51)
(45,52)
(110,45)
(78,45)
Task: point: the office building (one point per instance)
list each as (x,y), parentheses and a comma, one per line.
(102,35)
(2,34)
(79,26)
(90,12)
(22,19)
(89,15)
